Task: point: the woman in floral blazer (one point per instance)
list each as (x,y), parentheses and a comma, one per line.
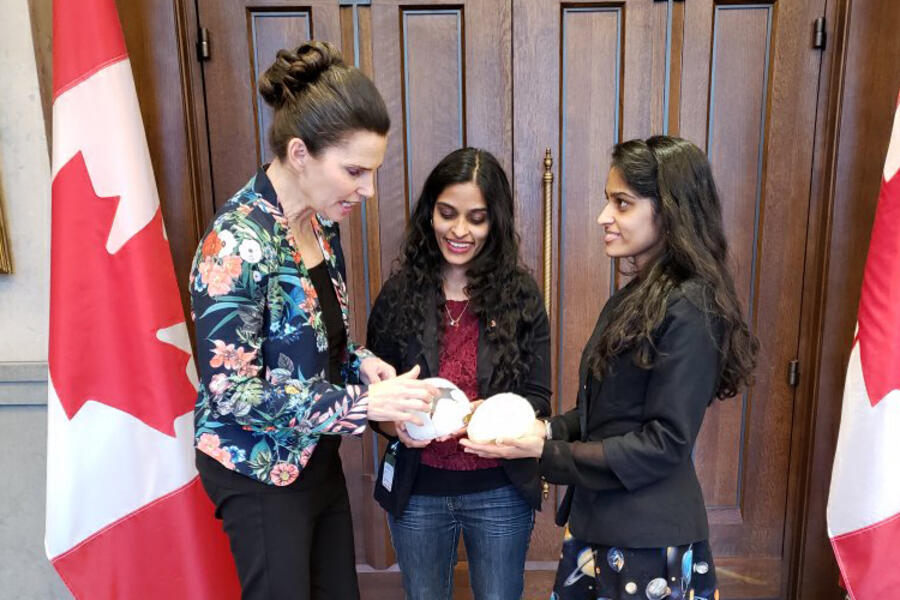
(280,381)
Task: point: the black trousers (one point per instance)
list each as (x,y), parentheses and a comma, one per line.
(288,542)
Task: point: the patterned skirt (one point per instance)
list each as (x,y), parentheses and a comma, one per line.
(593,572)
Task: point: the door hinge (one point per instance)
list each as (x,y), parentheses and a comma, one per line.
(794,373)
(819,36)
(203,44)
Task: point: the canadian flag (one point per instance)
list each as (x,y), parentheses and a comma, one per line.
(864,501)
(126,514)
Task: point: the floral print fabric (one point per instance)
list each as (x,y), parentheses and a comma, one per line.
(262,347)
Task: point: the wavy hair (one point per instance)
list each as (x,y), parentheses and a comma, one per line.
(501,292)
(675,175)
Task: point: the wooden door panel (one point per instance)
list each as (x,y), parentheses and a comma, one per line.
(434,115)
(600,68)
(739,77)
(244,38)
(584,75)
(591,43)
(443,68)
(748,96)
(270,31)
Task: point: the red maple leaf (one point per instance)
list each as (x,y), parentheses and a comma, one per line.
(106,309)
(879,304)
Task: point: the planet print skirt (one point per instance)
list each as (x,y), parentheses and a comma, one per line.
(593,572)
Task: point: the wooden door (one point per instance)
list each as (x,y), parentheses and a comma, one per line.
(587,75)
(748,96)
(739,79)
(576,77)
(444,71)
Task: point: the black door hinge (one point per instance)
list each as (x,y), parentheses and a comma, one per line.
(203,44)
(819,35)
(794,373)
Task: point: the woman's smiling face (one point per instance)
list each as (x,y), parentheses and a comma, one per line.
(630,225)
(460,221)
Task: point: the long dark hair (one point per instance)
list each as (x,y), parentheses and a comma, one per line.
(676,177)
(319,99)
(501,292)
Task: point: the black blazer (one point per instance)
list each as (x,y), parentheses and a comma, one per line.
(522,473)
(625,450)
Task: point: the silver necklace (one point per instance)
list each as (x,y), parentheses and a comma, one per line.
(455,322)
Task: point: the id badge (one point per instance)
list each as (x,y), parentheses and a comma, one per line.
(387,474)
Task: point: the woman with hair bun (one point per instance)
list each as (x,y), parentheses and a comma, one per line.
(280,381)
(462,307)
(665,346)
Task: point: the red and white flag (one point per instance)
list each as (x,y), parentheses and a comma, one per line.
(126,514)
(864,501)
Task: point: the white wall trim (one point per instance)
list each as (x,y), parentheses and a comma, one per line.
(23,383)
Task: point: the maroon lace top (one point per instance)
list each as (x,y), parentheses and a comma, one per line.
(459,364)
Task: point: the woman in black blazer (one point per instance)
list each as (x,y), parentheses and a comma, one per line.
(463,308)
(665,346)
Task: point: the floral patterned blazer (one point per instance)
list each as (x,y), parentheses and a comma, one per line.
(262,347)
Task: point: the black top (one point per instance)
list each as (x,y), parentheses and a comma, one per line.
(535,387)
(334,321)
(431,481)
(625,450)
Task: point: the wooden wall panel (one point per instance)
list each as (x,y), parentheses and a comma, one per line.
(392,191)
(236,142)
(584,73)
(445,75)
(535,66)
(737,104)
(751,102)
(591,43)
(434,121)
(270,31)
(644,69)
(488,81)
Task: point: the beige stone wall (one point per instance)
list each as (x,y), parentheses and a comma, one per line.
(25,572)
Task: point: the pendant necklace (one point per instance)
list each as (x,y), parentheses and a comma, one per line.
(455,322)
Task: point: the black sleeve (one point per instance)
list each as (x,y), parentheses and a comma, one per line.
(682,383)
(536,386)
(567,426)
(379,341)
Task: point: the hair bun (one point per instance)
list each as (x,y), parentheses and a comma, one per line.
(294,70)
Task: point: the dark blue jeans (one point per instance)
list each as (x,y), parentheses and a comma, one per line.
(496,528)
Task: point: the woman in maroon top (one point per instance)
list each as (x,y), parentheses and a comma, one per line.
(462,307)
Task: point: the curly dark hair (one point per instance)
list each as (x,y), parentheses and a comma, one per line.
(676,176)
(501,291)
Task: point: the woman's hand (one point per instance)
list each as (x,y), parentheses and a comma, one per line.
(462,430)
(398,398)
(539,428)
(373,369)
(404,437)
(527,446)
